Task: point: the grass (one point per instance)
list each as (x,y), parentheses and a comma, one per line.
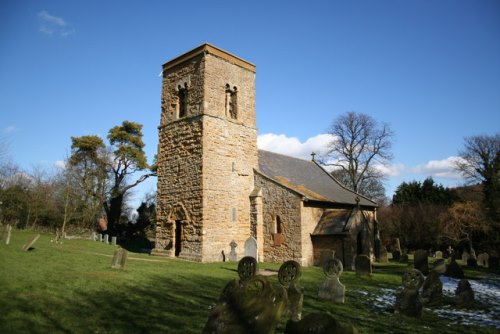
(71,288)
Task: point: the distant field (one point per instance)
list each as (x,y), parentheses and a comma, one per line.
(71,288)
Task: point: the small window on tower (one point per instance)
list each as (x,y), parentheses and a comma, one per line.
(182,96)
(232,101)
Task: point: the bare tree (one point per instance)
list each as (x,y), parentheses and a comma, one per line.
(480,163)
(359,143)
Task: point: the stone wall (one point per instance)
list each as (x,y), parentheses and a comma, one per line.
(310,218)
(280,201)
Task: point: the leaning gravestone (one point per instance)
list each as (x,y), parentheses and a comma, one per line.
(465,294)
(29,244)
(439,255)
(232,254)
(8,230)
(408,302)
(483,260)
(432,290)
(331,289)
(251,248)
(289,276)
(421,261)
(363,265)
(383,255)
(249,305)
(119,259)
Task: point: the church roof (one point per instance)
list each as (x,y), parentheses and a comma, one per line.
(308,179)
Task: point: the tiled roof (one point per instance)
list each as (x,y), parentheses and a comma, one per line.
(307,178)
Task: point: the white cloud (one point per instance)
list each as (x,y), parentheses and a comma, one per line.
(53,25)
(391,170)
(9,129)
(440,168)
(59,164)
(292,146)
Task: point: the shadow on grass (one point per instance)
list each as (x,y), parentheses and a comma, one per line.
(158,305)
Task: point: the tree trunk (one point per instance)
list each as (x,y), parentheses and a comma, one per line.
(114,212)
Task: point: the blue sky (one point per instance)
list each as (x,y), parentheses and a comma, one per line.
(431,69)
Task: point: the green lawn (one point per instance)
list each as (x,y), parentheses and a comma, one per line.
(71,288)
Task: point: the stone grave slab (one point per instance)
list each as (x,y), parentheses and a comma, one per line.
(421,261)
(483,260)
(289,276)
(408,301)
(439,255)
(251,248)
(119,259)
(29,244)
(331,289)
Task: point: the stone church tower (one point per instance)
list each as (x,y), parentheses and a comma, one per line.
(207,154)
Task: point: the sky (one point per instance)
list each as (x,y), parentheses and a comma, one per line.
(429,69)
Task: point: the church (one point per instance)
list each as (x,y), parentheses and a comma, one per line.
(217,191)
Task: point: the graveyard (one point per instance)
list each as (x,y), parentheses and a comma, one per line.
(86,286)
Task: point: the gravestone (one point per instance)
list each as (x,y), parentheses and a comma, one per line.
(8,231)
(439,266)
(113,241)
(249,305)
(251,248)
(106,239)
(408,301)
(29,244)
(233,256)
(483,260)
(397,245)
(439,255)
(363,265)
(465,256)
(464,294)
(454,270)
(396,255)
(94,236)
(119,259)
(421,262)
(331,289)
(319,323)
(289,276)
(100,237)
(432,290)
(247,268)
(383,255)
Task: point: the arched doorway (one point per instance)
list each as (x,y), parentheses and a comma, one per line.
(178,237)
(359,243)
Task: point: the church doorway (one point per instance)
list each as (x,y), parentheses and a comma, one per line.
(178,236)
(359,243)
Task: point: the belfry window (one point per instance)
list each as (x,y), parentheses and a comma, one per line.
(182,96)
(232,101)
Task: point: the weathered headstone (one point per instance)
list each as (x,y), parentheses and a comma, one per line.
(331,288)
(94,236)
(421,261)
(113,241)
(408,302)
(100,237)
(396,255)
(465,294)
(383,255)
(289,276)
(363,265)
(318,323)
(454,270)
(29,244)
(439,255)
(119,259)
(250,305)
(106,239)
(251,248)
(8,231)
(483,260)
(247,268)
(233,256)
(397,245)
(432,290)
